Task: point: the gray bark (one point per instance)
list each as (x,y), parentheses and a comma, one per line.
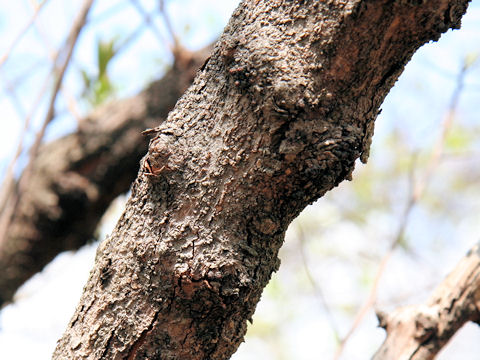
(277,117)
(75,178)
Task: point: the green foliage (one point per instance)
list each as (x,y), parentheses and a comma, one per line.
(459,139)
(98,87)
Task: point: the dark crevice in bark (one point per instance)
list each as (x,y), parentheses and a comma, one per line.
(133,352)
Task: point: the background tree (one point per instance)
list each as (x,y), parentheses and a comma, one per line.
(394,176)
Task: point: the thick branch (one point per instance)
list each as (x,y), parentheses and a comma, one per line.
(276,118)
(75,178)
(419,332)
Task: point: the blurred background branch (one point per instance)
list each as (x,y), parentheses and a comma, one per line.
(417,189)
(60,64)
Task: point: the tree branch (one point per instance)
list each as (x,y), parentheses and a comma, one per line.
(75,178)
(15,193)
(419,332)
(277,117)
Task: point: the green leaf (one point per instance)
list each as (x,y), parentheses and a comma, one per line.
(106,50)
(98,88)
(87,81)
(458,139)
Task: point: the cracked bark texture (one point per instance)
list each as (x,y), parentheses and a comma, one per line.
(75,178)
(275,118)
(418,332)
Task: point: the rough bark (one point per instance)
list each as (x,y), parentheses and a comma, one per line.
(419,332)
(76,177)
(276,117)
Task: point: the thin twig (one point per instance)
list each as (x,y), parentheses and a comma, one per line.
(316,287)
(168,24)
(27,73)
(52,54)
(106,14)
(22,32)
(381,269)
(24,180)
(447,124)
(10,89)
(148,20)
(417,190)
(8,180)
(129,40)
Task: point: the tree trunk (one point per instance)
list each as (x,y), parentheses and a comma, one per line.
(75,178)
(275,118)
